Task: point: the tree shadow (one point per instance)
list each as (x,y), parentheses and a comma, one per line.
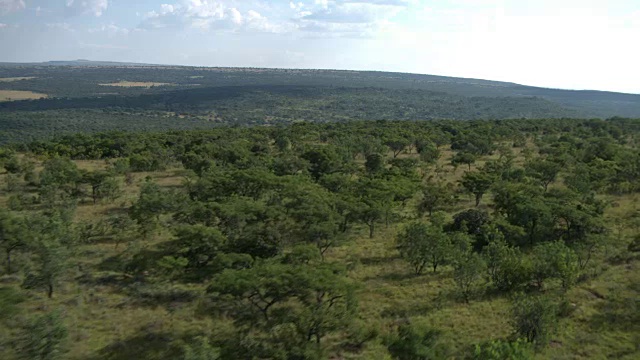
(146,345)
(378,260)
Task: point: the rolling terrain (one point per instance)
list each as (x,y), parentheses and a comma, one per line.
(86,96)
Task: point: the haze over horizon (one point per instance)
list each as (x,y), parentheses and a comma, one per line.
(563,44)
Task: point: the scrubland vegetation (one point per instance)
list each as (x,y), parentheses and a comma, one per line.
(514,239)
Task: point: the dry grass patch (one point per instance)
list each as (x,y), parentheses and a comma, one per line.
(12,79)
(14,95)
(137,84)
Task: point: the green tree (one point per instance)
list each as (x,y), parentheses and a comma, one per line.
(463,158)
(543,170)
(421,244)
(151,204)
(555,260)
(61,173)
(435,196)
(13,236)
(199,244)
(374,164)
(534,318)
(468,272)
(397,145)
(477,183)
(376,197)
(103,186)
(308,301)
(52,244)
(506,266)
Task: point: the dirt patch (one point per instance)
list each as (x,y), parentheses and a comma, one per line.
(14,95)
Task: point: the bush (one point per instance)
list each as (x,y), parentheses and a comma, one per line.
(503,350)
(415,342)
(534,318)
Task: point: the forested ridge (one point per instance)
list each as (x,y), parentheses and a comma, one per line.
(485,239)
(249,96)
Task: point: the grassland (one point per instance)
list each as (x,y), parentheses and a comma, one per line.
(14,95)
(140,84)
(13,79)
(106,323)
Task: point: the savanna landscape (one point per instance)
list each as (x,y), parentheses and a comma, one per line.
(281,214)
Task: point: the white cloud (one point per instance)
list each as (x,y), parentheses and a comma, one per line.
(2,26)
(60,26)
(207,15)
(111,30)
(93,7)
(7,6)
(349,18)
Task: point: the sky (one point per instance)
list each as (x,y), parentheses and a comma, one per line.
(569,44)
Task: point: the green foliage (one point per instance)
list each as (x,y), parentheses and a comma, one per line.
(10,299)
(543,170)
(468,273)
(477,183)
(53,240)
(555,260)
(151,204)
(14,236)
(200,349)
(415,342)
(421,244)
(293,305)
(45,338)
(198,244)
(507,267)
(276,231)
(502,350)
(374,164)
(534,318)
(463,158)
(435,197)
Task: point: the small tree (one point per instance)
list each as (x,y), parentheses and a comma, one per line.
(13,236)
(434,197)
(374,164)
(506,266)
(463,158)
(421,244)
(468,273)
(53,239)
(477,183)
(534,318)
(545,171)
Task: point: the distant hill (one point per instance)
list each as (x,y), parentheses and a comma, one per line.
(79,62)
(176,87)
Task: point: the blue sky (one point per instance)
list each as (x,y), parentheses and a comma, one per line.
(586,44)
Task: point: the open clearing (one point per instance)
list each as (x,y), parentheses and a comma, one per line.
(13,95)
(137,84)
(12,79)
